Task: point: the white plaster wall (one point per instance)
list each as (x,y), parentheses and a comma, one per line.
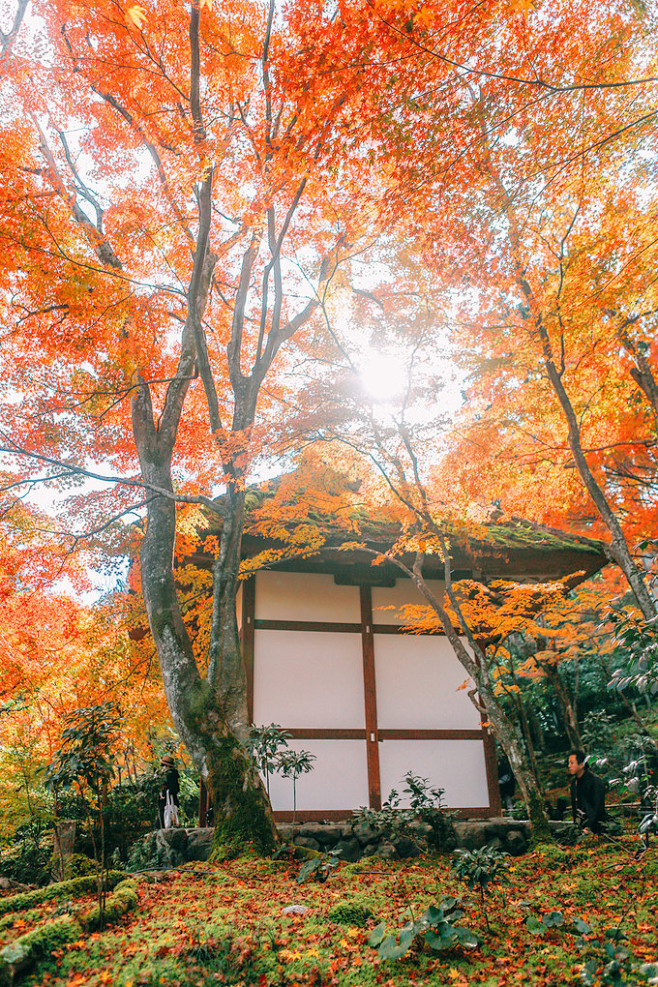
(307,679)
(339,779)
(305,596)
(403,593)
(457,766)
(418,679)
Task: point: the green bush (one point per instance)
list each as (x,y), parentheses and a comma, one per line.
(28,861)
(355,912)
(78,865)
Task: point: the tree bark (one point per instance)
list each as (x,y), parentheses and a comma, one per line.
(503,729)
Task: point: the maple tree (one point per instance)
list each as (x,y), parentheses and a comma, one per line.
(171,220)
(528,189)
(524,179)
(180,187)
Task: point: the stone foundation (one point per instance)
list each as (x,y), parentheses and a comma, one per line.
(358,838)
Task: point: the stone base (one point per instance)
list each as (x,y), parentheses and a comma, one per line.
(357,838)
(361,838)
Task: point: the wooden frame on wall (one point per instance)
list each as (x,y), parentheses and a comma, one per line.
(372,734)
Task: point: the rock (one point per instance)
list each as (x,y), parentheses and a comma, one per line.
(470,835)
(350,850)
(326,834)
(386,851)
(405,847)
(306,841)
(366,831)
(199,843)
(65,832)
(516,842)
(420,830)
(370,850)
(295,910)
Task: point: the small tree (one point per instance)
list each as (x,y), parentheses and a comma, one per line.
(264,745)
(292,764)
(481,868)
(84,762)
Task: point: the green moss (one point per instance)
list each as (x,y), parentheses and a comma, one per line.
(63,889)
(123,900)
(354,912)
(555,856)
(244,821)
(29,948)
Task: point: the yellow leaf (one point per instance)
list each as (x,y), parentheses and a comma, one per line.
(135,16)
(205,3)
(522,6)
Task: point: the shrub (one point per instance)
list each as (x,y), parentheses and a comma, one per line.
(355,912)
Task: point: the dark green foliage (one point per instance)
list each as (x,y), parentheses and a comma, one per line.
(319,867)
(434,931)
(354,912)
(78,865)
(637,654)
(264,747)
(482,867)
(85,754)
(28,861)
(550,920)
(425,806)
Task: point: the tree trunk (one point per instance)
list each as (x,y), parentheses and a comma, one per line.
(209,713)
(500,724)
(569,715)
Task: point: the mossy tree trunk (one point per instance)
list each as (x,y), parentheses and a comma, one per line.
(209,712)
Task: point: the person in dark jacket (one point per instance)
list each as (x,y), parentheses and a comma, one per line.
(170,784)
(506,781)
(587,794)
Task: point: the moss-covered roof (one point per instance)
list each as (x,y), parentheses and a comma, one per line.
(328,527)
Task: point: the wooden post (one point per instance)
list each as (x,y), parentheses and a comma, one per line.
(372,736)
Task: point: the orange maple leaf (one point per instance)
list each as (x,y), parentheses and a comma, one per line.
(136,16)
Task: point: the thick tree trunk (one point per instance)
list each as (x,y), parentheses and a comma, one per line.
(210,714)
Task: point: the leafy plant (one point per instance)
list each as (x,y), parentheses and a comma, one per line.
(550,920)
(433,931)
(481,868)
(319,867)
(84,761)
(264,745)
(292,764)
(637,641)
(425,805)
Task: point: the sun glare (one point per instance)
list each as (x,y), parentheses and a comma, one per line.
(384,376)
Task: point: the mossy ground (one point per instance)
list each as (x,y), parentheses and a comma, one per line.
(224,923)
